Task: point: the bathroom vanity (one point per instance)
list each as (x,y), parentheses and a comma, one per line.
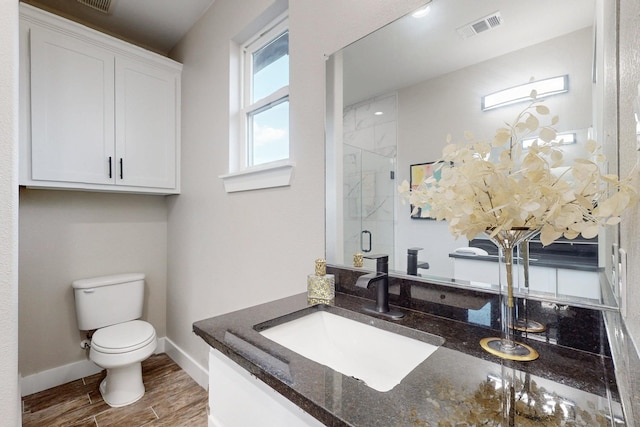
(566,267)
(574,378)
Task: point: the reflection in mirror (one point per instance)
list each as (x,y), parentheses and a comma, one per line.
(394,96)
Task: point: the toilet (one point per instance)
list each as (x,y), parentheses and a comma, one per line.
(112,306)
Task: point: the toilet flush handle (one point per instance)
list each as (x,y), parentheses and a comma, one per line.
(88,291)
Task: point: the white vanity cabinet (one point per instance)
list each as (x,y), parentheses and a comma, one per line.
(97,113)
(239,399)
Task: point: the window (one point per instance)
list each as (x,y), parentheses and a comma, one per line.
(265,100)
(259,149)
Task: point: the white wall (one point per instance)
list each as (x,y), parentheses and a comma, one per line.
(9,388)
(69,235)
(450,104)
(629,81)
(228,251)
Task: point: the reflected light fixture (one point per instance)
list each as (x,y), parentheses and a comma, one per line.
(422,12)
(544,88)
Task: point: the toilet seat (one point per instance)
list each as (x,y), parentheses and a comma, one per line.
(123,337)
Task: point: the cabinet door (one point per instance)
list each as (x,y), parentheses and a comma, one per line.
(72,121)
(232,388)
(146,124)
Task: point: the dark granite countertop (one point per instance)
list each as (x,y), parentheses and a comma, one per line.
(455,386)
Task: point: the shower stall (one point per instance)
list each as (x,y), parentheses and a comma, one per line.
(369,186)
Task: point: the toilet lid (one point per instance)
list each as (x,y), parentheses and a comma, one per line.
(123,337)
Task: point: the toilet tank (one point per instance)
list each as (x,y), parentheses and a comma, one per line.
(108,300)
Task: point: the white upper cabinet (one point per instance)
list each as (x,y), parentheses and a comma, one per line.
(145,106)
(97,113)
(72,122)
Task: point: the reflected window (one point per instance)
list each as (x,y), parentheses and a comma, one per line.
(481,316)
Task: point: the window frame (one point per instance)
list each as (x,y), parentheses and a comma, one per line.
(249,108)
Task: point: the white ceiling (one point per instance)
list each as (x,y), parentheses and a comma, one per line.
(411,50)
(154,24)
(402,53)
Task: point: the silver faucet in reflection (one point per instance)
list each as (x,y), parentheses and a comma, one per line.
(381,280)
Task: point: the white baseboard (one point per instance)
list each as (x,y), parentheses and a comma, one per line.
(74,371)
(57,376)
(195,370)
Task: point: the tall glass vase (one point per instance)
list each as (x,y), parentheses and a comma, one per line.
(506,346)
(523,323)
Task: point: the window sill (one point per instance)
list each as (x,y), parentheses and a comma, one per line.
(271,175)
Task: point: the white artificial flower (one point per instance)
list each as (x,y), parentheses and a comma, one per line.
(530,188)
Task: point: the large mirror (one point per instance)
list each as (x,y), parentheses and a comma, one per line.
(394,96)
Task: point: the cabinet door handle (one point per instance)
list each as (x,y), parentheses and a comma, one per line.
(110,168)
(121,168)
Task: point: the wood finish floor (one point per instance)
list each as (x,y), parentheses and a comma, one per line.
(172,398)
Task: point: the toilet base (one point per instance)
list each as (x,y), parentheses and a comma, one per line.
(122,386)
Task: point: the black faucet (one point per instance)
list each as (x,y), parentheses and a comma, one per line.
(381,279)
(412,262)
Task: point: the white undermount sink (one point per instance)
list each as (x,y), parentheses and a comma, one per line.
(379,358)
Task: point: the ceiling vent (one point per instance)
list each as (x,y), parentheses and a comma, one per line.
(487,23)
(104,6)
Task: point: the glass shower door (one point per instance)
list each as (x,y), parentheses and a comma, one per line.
(369,189)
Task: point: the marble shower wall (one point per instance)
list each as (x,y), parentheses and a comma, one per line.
(370,145)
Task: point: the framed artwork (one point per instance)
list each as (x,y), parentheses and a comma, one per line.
(418,173)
